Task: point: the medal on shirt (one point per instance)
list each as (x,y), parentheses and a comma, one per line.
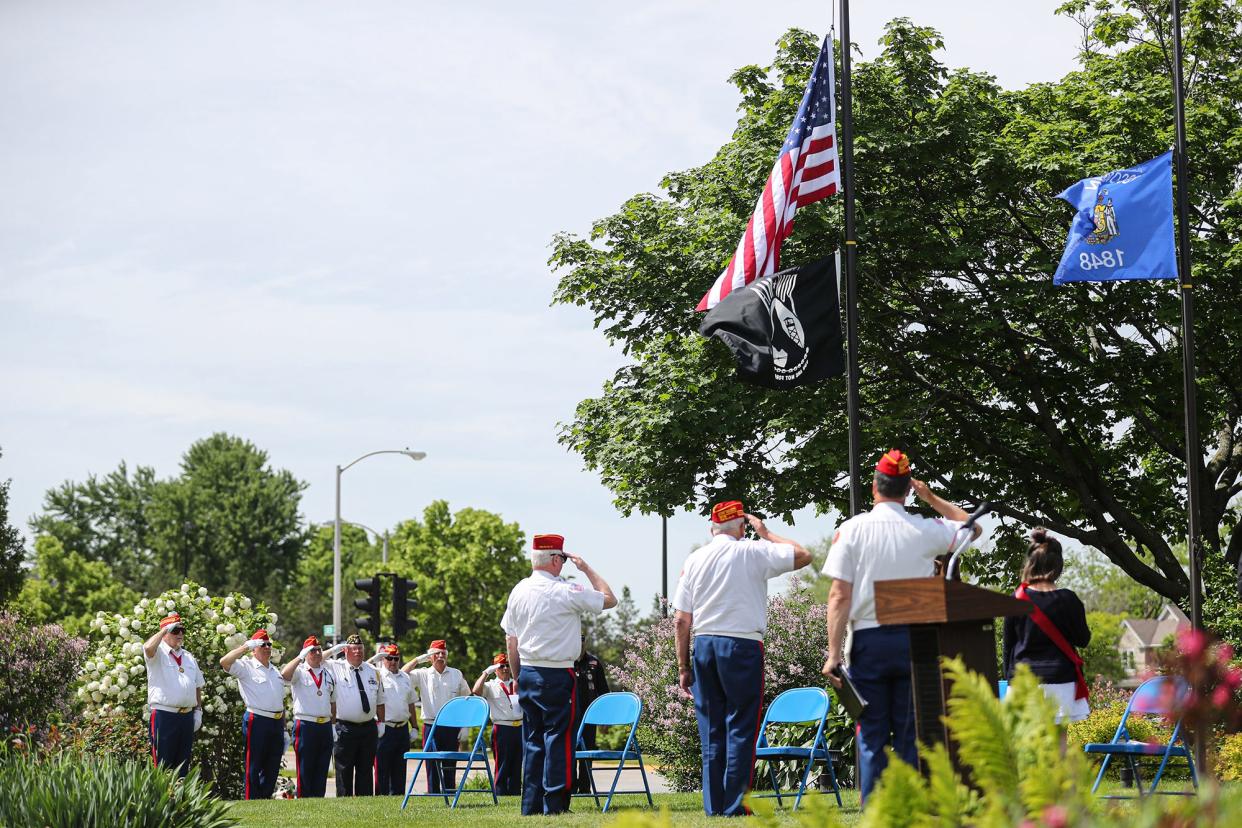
(177,659)
(318,681)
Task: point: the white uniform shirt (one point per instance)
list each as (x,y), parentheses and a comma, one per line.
(435,689)
(544,614)
(261,687)
(884,544)
(173,685)
(502,698)
(398,696)
(348,702)
(312,699)
(724,585)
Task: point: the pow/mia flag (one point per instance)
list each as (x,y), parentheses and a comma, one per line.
(785,329)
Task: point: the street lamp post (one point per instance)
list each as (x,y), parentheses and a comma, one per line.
(336,534)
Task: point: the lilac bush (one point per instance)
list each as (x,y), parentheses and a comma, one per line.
(794,651)
(37,666)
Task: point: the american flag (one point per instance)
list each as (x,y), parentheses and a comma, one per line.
(805,172)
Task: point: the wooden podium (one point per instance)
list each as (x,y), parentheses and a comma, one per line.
(946,618)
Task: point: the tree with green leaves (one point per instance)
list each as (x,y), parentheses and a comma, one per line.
(1060,405)
(464,563)
(12,551)
(67,589)
(227,516)
(307,602)
(105,519)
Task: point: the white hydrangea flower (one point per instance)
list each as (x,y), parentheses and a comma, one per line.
(135,670)
(221,629)
(185,587)
(122,680)
(272,616)
(202,591)
(244,603)
(228,600)
(228,611)
(96,696)
(92,686)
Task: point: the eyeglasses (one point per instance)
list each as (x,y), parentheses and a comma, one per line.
(177,631)
(266,644)
(391,658)
(560,555)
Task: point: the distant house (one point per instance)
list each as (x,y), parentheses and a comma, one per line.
(1141,638)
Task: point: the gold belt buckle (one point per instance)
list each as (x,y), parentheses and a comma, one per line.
(184,709)
(280,715)
(321,719)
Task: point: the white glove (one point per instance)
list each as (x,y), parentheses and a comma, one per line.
(305,652)
(198,718)
(376,659)
(333,650)
(493,668)
(380,729)
(254,643)
(425,658)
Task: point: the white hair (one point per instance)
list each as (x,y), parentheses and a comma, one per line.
(729,527)
(541,557)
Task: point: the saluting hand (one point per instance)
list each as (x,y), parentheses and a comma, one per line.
(423,659)
(757,524)
(577,561)
(921,490)
(254,644)
(491,669)
(305,652)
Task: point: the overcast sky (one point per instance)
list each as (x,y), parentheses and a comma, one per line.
(324,226)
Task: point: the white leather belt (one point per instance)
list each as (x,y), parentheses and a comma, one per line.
(168,709)
(315,719)
(266,714)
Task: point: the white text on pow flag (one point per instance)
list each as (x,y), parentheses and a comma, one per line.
(785,329)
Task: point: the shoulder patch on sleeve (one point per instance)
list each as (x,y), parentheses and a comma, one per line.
(836,536)
(576,588)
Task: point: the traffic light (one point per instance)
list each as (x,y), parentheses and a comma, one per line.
(403,602)
(370,605)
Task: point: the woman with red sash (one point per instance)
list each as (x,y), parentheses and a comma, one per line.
(1047,640)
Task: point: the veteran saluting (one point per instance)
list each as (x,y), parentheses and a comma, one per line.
(174,694)
(723,596)
(263,725)
(359,703)
(543,630)
(314,708)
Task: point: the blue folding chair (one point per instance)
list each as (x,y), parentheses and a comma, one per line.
(463,711)
(613,710)
(1154,697)
(801,705)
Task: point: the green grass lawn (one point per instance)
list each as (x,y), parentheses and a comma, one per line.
(477,811)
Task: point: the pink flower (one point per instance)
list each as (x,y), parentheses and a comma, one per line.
(1055,816)
(1224,653)
(1192,642)
(1221,695)
(1233,678)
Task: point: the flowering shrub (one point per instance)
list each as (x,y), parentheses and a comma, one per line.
(113,684)
(1215,698)
(39,663)
(794,651)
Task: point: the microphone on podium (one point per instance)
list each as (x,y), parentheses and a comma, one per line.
(958,547)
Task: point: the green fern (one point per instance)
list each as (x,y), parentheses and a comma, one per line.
(984,731)
(899,800)
(953,804)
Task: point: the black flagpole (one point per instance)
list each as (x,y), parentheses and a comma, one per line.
(851,277)
(1188,340)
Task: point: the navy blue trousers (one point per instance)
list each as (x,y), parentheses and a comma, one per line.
(441,776)
(390,760)
(354,756)
(548,696)
(172,739)
(312,753)
(728,696)
(507,753)
(265,745)
(880,668)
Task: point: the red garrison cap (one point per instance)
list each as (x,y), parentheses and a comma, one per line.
(501,658)
(390,650)
(727,511)
(169,620)
(894,463)
(311,641)
(438,644)
(261,635)
(556,542)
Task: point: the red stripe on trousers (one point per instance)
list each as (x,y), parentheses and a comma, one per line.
(154,757)
(297,759)
(249,730)
(758,722)
(569,740)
